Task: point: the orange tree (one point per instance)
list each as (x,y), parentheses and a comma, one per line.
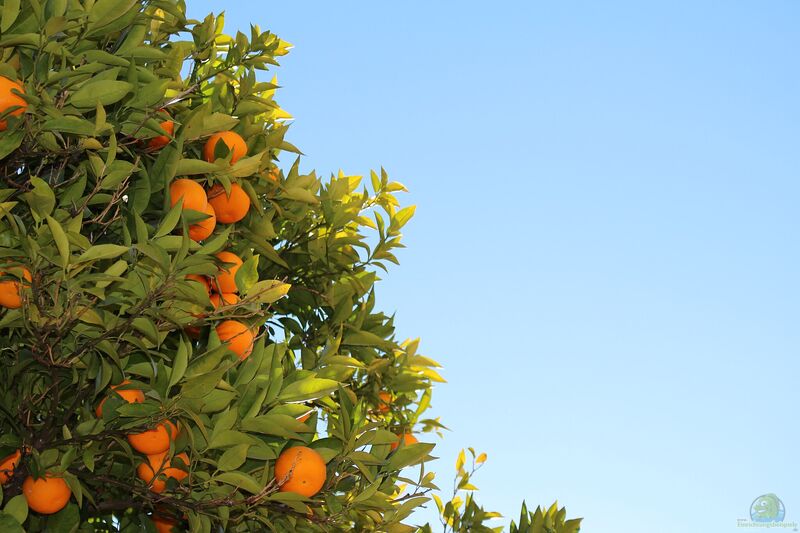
(188,334)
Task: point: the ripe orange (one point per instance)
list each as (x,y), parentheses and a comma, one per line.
(156,440)
(407,438)
(162,465)
(164,524)
(224,299)
(300,470)
(7,466)
(232,140)
(231,207)
(237,336)
(46,495)
(384,399)
(203,229)
(129,395)
(11,289)
(226,277)
(8,99)
(156,143)
(201,280)
(193,194)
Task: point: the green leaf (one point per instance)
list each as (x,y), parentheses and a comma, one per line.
(300,194)
(308,389)
(170,220)
(408,455)
(9,14)
(247,274)
(9,524)
(106,92)
(267,291)
(241,481)
(73,125)
(188,167)
(179,363)
(233,457)
(62,243)
(102,251)
(40,198)
(64,521)
(18,508)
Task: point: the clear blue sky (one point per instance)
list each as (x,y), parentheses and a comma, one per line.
(605,256)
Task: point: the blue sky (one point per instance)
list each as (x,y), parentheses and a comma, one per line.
(604,256)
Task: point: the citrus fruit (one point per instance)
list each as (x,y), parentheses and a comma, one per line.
(129,395)
(300,470)
(46,495)
(304,417)
(203,229)
(193,194)
(231,207)
(224,299)
(164,524)
(226,277)
(156,143)
(158,468)
(156,440)
(384,399)
(237,336)
(7,465)
(11,289)
(234,142)
(407,438)
(8,99)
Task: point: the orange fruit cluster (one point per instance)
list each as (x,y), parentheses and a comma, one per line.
(9,98)
(222,291)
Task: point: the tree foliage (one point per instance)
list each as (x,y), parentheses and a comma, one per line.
(121,97)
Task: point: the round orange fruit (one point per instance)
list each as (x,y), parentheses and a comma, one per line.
(46,495)
(231,207)
(193,194)
(234,142)
(300,470)
(165,525)
(203,229)
(7,466)
(8,99)
(407,438)
(158,468)
(129,395)
(384,399)
(224,299)
(226,276)
(237,336)
(159,142)
(156,440)
(11,289)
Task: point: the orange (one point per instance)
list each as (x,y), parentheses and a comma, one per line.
(407,438)
(160,464)
(156,440)
(224,299)
(303,418)
(7,466)
(46,495)
(384,399)
(226,277)
(234,142)
(193,194)
(8,99)
(237,336)
(165,525)
(203,229)
(201,280)
(274,174)
(11,289)
(156,143)
(231,207)
(300,470)
(129,395)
